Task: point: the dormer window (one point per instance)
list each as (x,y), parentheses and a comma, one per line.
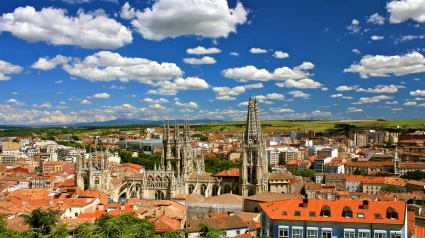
(392,213)
(326,211)
(347,212)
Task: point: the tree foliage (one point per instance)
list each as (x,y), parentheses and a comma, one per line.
(415,175)
(390,188)
(215,165)
(210,232)
(43,220)
(308,173)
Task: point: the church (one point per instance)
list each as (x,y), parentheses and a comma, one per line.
(181,172)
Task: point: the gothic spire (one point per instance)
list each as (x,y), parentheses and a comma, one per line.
(176,131)
(253,128)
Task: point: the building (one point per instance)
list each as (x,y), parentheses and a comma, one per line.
(299,218)
(279,182)
(92,173)
(327,152)
(254,169)
(289,155)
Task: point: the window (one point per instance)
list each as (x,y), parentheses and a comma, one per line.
(283,232)
(326,232)
(297,213)
(364,233)
(380,234)
(312,232)
(297,232)
(395,234)
(349,233)
(360,215)
(312,214)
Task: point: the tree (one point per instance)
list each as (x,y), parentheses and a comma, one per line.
(359,172)
(415,175)
(390,188)
(308,173)
(174,234)
(43,220)
(209,231)
(60,231)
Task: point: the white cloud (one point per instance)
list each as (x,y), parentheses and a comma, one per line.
(45,63)
(116,87)
(101,95)
(15,93)
(418,93)
(302,83)
(280,55)
(275,96)
(225,98)
(189,104)
(391,103)
(187,110)
(354,28)
(408,38)
(346,88)
(88,30)
(255,85)
(243,104)
(152,101)
(15,102)
(397,109)
(339,95)
(203,51)
(281,110)
(383,66)
(179,84)
(401,11)
(299,94)
(44,105)
(374,99)
(250,72)
(417,79)
(234,53)
(419,99)
(107,66)
(410,104)
(381,89)
(85,102)
(86,1)
(8,68)
(353,109)
(127,12)
(203,60)
(377,37)
(62,103)
(156,106)
(59,81)
(320,113)
(356,51)
(173,18)
(376,19)
(325,89)
(224,93)
(257,51)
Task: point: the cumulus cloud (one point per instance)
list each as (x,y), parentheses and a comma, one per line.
(44,105)
(381,89)
(127,12)
(384,66)
(225,98)
(101,95)
(152,101)
(299,94)
(275,96)
(8,68)
(410,104)
(249,73)
(14,102)
(203,60)
(107,66)
(404,10)
(302,83)
(225,93)
(356,51)
(391,103)
(234,53)
(88,30)
(354,28)
(397,109)
(45,63)
(281,110)
(374,99)
(376,19)
(418,93)
(59,82)
(353,109)
(280,55)
(336,95)
(346,88)
(408,38)
(173,18)
(189,104)
(203,51)
(377,37)
(257,51)
(85,102)
(180,84)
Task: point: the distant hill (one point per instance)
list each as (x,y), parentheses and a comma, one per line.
(124,121)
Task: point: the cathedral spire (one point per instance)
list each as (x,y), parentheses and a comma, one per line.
(396,162)
(253,128)
(176,131)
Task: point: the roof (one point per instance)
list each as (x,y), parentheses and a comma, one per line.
(335,176)
(370,164)
(225,199)
(280,176)
(233,172)
(271,196)
(275,211)
(223,223)
(313,186)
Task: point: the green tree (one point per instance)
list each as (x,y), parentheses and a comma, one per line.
(415,175)
(390,188)
(174,234)
(43,220)
(210,232)
(308,173)
(60,231)
(359,172)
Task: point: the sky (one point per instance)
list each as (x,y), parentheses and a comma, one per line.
(68,61)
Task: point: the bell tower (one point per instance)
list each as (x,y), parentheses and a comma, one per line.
(254,166)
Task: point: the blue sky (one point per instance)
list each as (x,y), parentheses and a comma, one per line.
(66,61)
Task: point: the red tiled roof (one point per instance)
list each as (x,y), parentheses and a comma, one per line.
(275,210)
(234,172)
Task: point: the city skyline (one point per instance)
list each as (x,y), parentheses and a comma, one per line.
(109,59)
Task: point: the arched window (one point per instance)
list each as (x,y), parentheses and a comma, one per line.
(191,188)
(159,195)
(251,192)
(227,189)
(203,189)
(96,180)
(215,190)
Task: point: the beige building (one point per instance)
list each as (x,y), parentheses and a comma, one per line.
(279,182)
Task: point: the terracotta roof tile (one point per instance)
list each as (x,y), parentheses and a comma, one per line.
(271,196)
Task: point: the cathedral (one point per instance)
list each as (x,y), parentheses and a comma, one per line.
(181,172)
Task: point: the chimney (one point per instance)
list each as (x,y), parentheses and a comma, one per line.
(100,207)
(305,203)
(365,204)
(230,213)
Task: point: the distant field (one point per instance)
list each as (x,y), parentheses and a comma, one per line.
(232,127)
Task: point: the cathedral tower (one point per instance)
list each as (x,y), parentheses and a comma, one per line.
(396,162)
(254,166)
